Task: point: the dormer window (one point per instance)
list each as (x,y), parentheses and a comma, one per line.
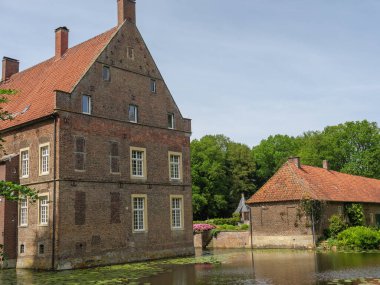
(153,86)
(86,104)
(106,73)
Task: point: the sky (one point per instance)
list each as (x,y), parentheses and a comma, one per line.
(247,69)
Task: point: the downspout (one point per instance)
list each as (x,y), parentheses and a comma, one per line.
(54,192)
(250,226)
(313,226)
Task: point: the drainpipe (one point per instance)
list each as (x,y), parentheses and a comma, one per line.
(250,226)
(54,192)
(313,226)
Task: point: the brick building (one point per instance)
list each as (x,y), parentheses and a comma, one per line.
(96,131)
(278,219)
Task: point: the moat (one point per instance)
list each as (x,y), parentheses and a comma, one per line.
(285,267)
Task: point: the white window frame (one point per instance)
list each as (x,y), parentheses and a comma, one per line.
(89,105)
(138,161)
(153,85)
(41,156)
(27,162)
(136,113)
(43,221)
(173,164)
(142,212)
(172,126)
(176,213)
(23,205)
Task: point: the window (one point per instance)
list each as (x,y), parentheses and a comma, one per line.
(24,156)
(80,154)
(80,208)
(114,157)
(175,166)
(176,208)
(133,113)
(43,213)
(23,212)
(340,210)
(153,86)
(41,249)
(115,208)
(44,159)
(139,213)
(170,120)
(138,162)
(86,104)
(22,249)
(106,73)
(131,53)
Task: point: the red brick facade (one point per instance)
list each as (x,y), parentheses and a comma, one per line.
(90,210)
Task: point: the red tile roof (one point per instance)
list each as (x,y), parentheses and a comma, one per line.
(291,183)
(35,86)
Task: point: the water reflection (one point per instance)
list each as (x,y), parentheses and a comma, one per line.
(277,267)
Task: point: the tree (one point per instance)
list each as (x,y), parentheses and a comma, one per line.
(209,176)
(271,154)
(352,147)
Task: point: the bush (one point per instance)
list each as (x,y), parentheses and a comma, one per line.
(359,238)
(336,225)
(199,228)
(226,221)
(355,214)
(244,227)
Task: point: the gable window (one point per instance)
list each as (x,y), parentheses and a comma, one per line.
(43,210)
(176,208)
(139,213)
(44,159)
(133,113)
(106,73)
(24,157)
(131,53)
(153,86)
(170,120)
(114,157)
(80,154)
(86,104)
(23,212)
(175,166)
(138,162)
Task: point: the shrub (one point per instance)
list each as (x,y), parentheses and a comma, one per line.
(244,227)
(336,225)
(359,238)
(199,228)
(355,214)
(224,221)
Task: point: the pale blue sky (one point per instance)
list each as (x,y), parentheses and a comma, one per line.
(246,68)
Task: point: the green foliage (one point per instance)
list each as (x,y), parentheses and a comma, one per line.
(336,225)
(312,208)
(224,221)
(355,214)
(244,227)
(359,238)
(271,154)
(221,171)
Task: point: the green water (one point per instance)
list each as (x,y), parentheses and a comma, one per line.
(222,267)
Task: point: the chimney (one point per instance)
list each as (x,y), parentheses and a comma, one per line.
(296,161)
(126,10)
(61,41)
(10,66)
(326,165)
